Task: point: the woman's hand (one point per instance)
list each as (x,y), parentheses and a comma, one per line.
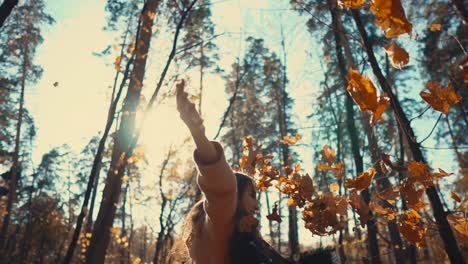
(187,110)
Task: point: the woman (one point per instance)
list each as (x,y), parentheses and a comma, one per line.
(219,229)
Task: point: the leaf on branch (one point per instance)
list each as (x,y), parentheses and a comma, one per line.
(440,99)
(390,17)
(412,229)
(274,216)
(291,140)
(362,181)
(351,3)
(398,56)
(364,93)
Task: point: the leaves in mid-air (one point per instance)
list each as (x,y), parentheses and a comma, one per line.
(362,181)
(390,17)
(398,56)
(440,99)
(364,93)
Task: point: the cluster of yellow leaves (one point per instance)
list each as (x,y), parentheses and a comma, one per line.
(322,214)
(329,157)
(390,17)
(440,99)
(291,140)
(398,56)
(411,227)
(364,93)
(83,243)
(351,3)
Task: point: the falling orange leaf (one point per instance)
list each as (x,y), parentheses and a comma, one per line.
(412,196)
(411,227)
(351,3)
(390,17)
(364,93)
(334,187)
(291,140)
(435,27)
(390,195)
(398,56)
(440,99)
(117,62)
(362,181)
(328,154)
(460,224)
(388,212)
(455,197)
(274,216)
(360,206)
(441,174)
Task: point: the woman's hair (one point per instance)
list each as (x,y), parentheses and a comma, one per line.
(194,220)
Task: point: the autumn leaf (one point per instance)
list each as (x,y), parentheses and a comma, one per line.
(364,93)
(378,208)
(411,227)
(460,224)
(274,216)
(412,196)
(351,3)
(420,173)
(55,84)
(117,62)
(398,56)
(435,27)
(390,195)
(455,197)
(390,17)
(291,140)
(328,154)
(321,214)
(334,187)
(362,181)
(440,174)
(360,206)
(440,99)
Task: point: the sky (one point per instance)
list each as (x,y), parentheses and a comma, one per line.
(75,110)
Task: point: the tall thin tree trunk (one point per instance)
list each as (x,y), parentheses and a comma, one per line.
(5,9)
(15,168)
(123,142)
(446,233)
(372,241)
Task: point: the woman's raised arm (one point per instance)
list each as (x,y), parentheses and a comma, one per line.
(216,179)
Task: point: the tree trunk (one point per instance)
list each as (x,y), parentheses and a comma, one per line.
(446,233)
(372,241)
(5,10)
(122,148)
(15,168)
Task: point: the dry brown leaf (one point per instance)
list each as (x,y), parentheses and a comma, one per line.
(398,56)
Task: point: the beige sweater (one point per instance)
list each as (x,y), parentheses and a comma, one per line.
(218,183)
